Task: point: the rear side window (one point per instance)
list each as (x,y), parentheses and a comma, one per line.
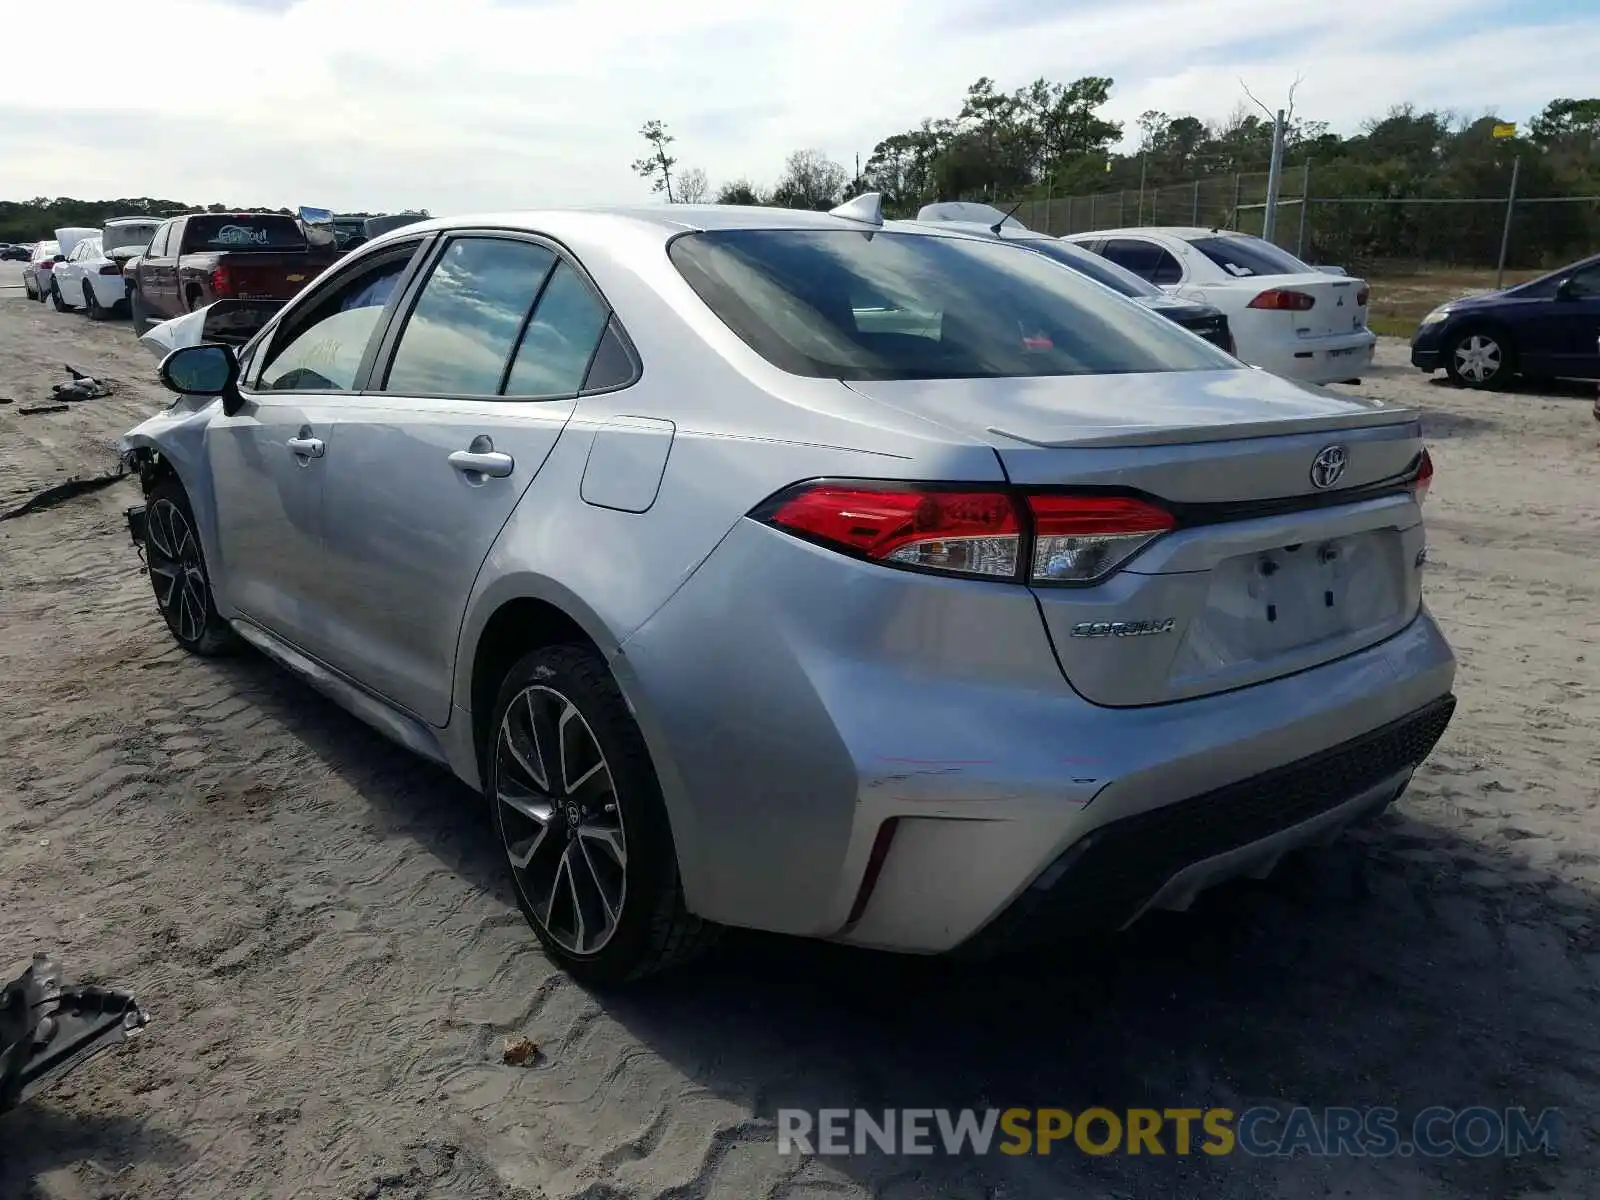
(843,305)
(560,340)
(464,327)
(1147,260)
(1243,257)
(241,231)
(1101,270)
(127,237)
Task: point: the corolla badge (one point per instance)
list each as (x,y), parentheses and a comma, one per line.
(1121,629)
(1328,466)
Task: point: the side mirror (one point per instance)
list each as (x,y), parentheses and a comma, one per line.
(205,370)
(1564,290)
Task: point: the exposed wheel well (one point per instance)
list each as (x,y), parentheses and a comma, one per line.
(153,467)
(516,627)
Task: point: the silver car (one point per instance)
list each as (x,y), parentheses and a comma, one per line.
(792,571)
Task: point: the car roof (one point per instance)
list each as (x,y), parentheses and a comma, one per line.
(668,218)
(135,220)
(1187,233)
(1013,233)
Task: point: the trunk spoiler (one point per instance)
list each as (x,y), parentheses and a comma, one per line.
(233,322)
(48,1027)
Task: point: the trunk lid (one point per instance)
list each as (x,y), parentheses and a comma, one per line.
(1267,572)
(1336,308)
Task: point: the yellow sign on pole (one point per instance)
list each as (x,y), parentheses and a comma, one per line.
(1505,129)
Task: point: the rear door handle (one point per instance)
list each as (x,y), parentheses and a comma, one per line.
(481,458)
(306,447)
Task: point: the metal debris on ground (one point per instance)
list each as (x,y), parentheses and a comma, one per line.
(520,1051)
(29,410)
(81,389)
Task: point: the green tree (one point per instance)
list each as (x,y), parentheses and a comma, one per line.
(657,165)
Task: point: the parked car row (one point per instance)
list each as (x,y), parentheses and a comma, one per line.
(813,572)
(154,269)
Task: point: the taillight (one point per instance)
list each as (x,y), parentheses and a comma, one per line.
(221,282)
(968,533)
(1040,537)
(1077,539)
(111,268)
(1283,300)
(1423,479)
(1362,297)
(47,265)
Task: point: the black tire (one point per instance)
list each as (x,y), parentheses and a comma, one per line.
(27,289)
(652,928)
(91,304)
(178,573)
(1480,357)
(194,300)
(55,298)
(136,314)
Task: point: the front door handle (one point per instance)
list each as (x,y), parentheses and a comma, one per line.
(306,447)
(481,458)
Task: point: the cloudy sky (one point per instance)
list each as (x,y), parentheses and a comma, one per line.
(390,104)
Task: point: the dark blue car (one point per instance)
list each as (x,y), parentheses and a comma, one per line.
(1548,328)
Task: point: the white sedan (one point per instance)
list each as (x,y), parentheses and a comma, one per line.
(89,280)
(1286,317)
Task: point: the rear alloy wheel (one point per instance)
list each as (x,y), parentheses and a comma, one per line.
(55,298)
(579,814)
(91,302)
(1478,359)
(178,573)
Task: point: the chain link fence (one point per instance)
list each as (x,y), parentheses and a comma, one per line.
(1357,232)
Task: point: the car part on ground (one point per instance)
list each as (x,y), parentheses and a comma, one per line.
(1546,328)
(48,1027)
(1286,316)
(762,573)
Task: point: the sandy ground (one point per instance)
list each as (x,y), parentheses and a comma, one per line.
(319,926)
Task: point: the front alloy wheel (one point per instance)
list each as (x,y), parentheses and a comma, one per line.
(178,573)
(1477,360)
(560,821)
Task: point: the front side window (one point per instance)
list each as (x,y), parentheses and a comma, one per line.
(561,338)
(324,353)
(461,334)
(1586,283)
(158,241)
(847,305)
(1244,257)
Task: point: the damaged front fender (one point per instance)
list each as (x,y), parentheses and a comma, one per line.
(48,1027)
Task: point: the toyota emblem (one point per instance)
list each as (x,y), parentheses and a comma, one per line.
(1328,466)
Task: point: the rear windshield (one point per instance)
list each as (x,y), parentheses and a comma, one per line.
(46,250)
(1243,257)
(128,237)
(257,231)
(1101,270)
(848,305)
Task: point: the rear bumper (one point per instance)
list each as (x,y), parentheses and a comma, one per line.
(892,761)
(1165,857)
(1319,360)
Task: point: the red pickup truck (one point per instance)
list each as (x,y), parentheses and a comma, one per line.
(200,257)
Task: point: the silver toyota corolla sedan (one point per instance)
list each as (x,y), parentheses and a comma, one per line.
(800,572)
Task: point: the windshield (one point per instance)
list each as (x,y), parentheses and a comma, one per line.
(847,305)
(238,231)
(1101,270)
(128,237)
(1243,257)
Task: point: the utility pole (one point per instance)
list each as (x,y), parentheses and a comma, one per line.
(1505,234)
(1305,204)
(1269,220)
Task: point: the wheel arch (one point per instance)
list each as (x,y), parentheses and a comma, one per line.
(172,445)
(520,613)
